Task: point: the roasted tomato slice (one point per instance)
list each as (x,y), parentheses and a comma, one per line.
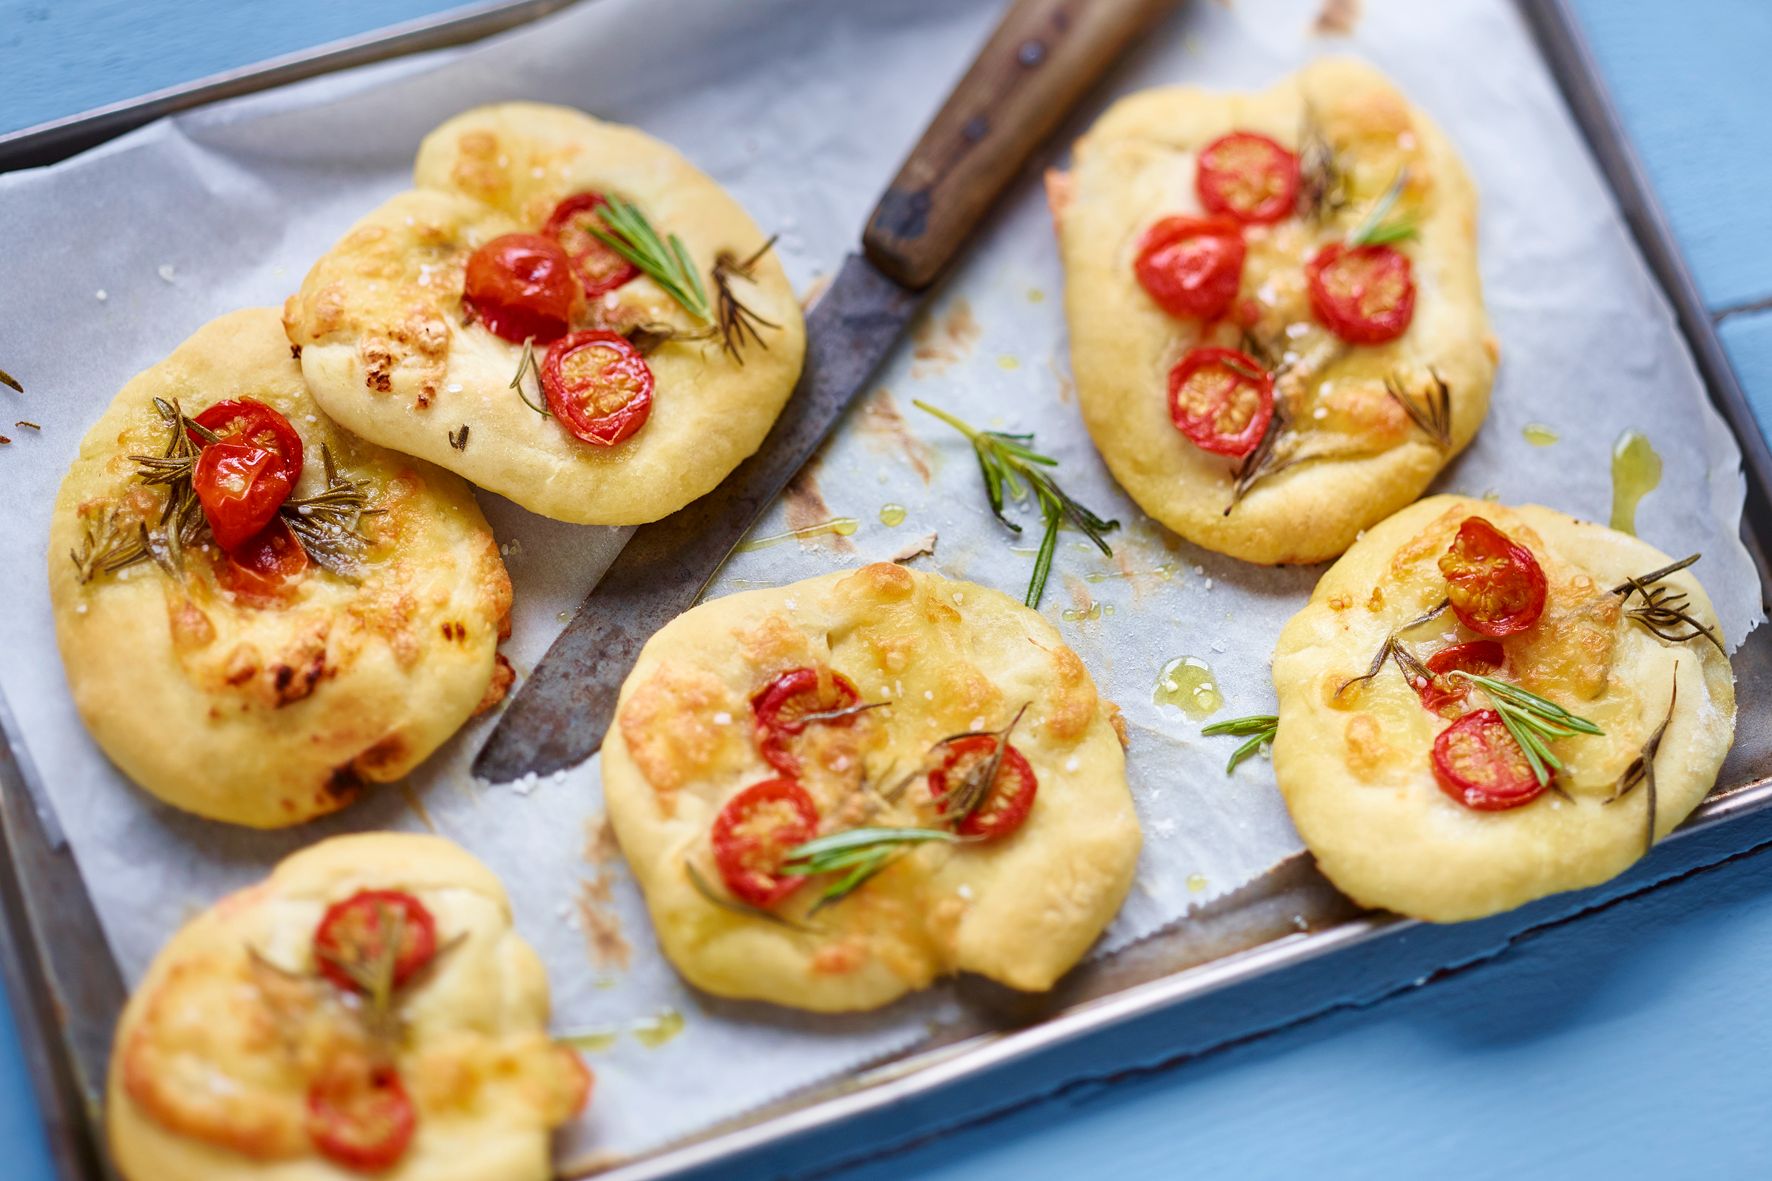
(1248,177)
(261,568)
(1496,586)
(1007,801)
(1192,265)
(1478,763)
(781,708)
(1441,693)
(360,1116)
(1221,399)
(353,935)
(753,834)
(1365,295)
(240,486)
(598,386)
(522,285)
(599,268)
(243,420)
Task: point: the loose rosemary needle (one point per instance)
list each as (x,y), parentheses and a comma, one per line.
(1258,729)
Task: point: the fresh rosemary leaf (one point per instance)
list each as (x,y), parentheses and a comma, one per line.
(1532,720)
(631,236)
(707,891)
(837,850)
(526,364)
(965,797)
(1373,230)
(1010,467)
(1259,729)
(1433,414)
(1321,190)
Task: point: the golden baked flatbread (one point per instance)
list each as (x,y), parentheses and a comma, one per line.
(833,706)
(260,1047)
(1388,780)
(394,354)
(268,697)
(1320,154)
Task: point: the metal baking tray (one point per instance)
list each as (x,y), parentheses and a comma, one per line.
(1155,1004)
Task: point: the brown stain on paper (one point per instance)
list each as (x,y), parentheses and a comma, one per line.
(604,941)
(938,342)
(885,426)
(805,506)
(1336,18)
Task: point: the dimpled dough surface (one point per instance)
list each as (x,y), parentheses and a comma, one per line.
(1137,165)
(385,347)
(950,657)
(268,716)
(1356,771)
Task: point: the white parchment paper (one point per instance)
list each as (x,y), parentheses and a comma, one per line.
(803,109)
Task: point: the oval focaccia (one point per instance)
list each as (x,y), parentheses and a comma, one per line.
(909,662)
(394,353)
(1358,429)
(270,705)
(1356,758)
(253,1050)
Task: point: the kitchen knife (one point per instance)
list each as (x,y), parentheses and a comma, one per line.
(1039,61)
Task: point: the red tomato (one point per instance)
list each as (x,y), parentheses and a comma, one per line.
(243,420)
(1478,763)
(241,487)
(1221,399)
(598,386)
(1011,794)
(1365,295)
(1191,265)
(360,1117)
(1473,656)
(782,705)
(599,268)
(1496,586)
(262,567)
(753,834)
(354,934)
(522,285)
(1248,177)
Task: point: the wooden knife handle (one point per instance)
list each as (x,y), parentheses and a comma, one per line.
(1037,64)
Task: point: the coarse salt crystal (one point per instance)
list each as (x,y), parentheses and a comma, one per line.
(101,295)
(1072,763)
(165,271)
(929,695)
(977,723)
(722,719)
(453,387)
(964,891)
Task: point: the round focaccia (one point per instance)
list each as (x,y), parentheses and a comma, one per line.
(1358,427)
(367,1008)
(864,708)
(269,696)
(395,353)
(1409,796)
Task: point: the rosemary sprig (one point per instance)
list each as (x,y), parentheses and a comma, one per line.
(1433,414)
(113,543)
(8,379)
(1532,720)
(1322,191)
(736,320)
(847,711)
(1393,649)
(328,523)
(1010,466)
(964,798)
(1642,768)
(525,364)
(1259,729)
(630,235)
(1665,610)
(864,852)
(1373,229)
(374,974)
(706,890)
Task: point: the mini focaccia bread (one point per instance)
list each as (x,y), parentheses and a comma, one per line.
(1398,681)
(317,613)
(637,391)
(1276,320)
(368,1008)
(836,791)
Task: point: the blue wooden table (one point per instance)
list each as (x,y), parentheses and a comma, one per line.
(1633,1041)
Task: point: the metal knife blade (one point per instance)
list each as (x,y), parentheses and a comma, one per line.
(559,716)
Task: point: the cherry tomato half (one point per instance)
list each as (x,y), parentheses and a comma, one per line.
(360,1117)
(1478,763)
(781,707)
(1191,265)
(1496,586)
(243,420)
(598,385)
(753,834)
(1474,656)
(241,487)
(261,568)
(599,268)
(1221,399)
(522,285)
(353,934)
(1011,793)
(1365,295)
(1248,177)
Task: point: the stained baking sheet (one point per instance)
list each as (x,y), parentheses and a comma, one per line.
(229,205)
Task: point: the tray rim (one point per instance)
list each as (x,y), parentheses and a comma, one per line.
(38,864)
